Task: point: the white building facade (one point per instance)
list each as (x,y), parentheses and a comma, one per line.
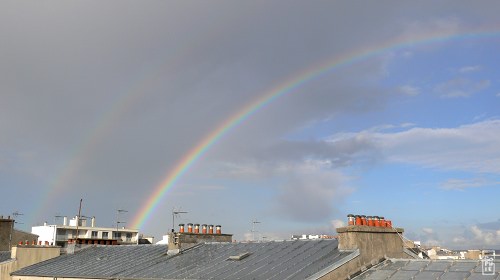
(77,231)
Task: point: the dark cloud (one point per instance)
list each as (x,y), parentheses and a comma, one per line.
(101,99)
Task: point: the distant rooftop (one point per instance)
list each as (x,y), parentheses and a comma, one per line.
(4,256)
(428,269)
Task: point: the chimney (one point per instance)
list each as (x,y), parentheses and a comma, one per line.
(65,221)
(363,220)
(218,229)
(373,242)
(357,219)
(204,229)
(174,243)
(181,228)
(350,219)
(210,229)
(92,222)
(369,220)
(190,228)
(382,222)
(196,228)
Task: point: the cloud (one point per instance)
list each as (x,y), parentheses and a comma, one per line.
(309,189)
(462,184)
(338,223)
(460,87)
(468,69)
(484,237)
(409,90)
(415,30)
(428,230)
(472,147)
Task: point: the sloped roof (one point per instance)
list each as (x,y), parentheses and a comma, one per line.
(101,261)
(4,256)
(267,260)
(428,269)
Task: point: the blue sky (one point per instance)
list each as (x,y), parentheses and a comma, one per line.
(100,104)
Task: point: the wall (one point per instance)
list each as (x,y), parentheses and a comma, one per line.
(45,233)
(187,240)
(6,228)
(374,244)
(23,256)
(5,231)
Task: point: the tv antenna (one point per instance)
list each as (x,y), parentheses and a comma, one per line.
(118,213)
(16,213)
(254,221)
(57,217)
(175,213)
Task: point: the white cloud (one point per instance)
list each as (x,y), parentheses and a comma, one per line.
(409,90)
(428,230)
(487,237)
(467,69)
(462,184)
(337,223)
(460,87)
(472,147)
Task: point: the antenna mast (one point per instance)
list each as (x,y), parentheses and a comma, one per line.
(78,220)
(173,216)
(254,221)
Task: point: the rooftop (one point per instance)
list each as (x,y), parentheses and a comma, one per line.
(298,259)
(399,269)
(4,256)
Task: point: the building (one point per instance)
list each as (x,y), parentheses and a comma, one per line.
(254,260)
(21,256)
(205,255)
(9,236)
(79,232)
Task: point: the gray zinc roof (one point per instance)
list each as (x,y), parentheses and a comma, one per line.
(267,260)
(429,269)
(95,261)
(4,256)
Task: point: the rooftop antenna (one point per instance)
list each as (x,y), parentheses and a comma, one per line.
(118,213)
(78,220)
(56,217)
(14,216)
(174,213)
(254,221)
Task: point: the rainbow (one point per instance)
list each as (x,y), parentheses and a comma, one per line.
(83,150)
(284,88)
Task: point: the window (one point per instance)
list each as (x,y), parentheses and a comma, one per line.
(94,234)
(117,235)
(129,236)
(105,235)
